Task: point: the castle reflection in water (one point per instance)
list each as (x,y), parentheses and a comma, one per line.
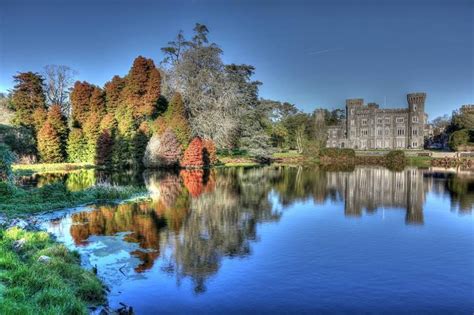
(372,188)
(207,215)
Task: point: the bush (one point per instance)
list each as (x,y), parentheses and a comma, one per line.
(21,140)
(395,160)
(312,149)
(459,138)
(195,155)
(162,151)
(6,160)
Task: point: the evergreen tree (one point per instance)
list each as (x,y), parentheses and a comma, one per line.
(104,149)
(76,146)
(59,123)
(91,135)
(80,101)
(175,119)
(113,91)
(27,96)
(142,88)
(108,122)
(97,102)
(49,144)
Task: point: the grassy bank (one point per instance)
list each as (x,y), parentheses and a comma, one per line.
(53,285)
(17,201)
(28,169)
(419,161)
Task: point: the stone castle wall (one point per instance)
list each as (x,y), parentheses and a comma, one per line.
(371,127)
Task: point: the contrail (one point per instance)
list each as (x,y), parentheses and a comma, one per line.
(318,52)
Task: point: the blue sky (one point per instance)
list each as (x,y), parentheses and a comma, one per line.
(310,53)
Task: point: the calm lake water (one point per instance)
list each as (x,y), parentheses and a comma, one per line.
(282,239)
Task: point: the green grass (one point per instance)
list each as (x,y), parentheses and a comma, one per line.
(17,201)
(289,154)
(419,161)
(29,169)
(28,286)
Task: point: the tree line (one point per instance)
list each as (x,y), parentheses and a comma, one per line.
(191,93)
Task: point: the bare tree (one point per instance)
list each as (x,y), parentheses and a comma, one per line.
(58,81)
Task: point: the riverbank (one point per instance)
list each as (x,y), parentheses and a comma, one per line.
(29,169)
(419,159)
(18,202)
(41,276)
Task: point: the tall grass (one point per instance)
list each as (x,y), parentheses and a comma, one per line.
(17,201)
(28,286)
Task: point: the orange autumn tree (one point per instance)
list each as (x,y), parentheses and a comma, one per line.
(142,88)
(80,101)
(49,144)
(194,155)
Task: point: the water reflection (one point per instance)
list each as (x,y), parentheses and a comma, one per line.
(197,218)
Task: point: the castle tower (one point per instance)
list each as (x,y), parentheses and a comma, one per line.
(351,105)
(416,120)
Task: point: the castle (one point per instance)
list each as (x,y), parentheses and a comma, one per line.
(370,127)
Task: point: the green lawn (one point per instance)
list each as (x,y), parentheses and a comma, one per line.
(28,169)
(419,161)
(289,154)
(29,285)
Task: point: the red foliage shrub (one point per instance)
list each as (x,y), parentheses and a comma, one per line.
(195,156)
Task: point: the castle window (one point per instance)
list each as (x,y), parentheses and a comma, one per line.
(401,131)
(379,132)
(387,120)
(364,121)
(414,107)
(387,131)
(415,132)
(379,120)
(364,132)
(400,119)
(415,144)
(414,119)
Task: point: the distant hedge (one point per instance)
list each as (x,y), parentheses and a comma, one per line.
(335,153)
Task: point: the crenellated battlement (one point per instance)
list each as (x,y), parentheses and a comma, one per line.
(355,101)
(416,98)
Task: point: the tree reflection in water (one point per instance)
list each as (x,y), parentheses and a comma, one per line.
(203,216)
